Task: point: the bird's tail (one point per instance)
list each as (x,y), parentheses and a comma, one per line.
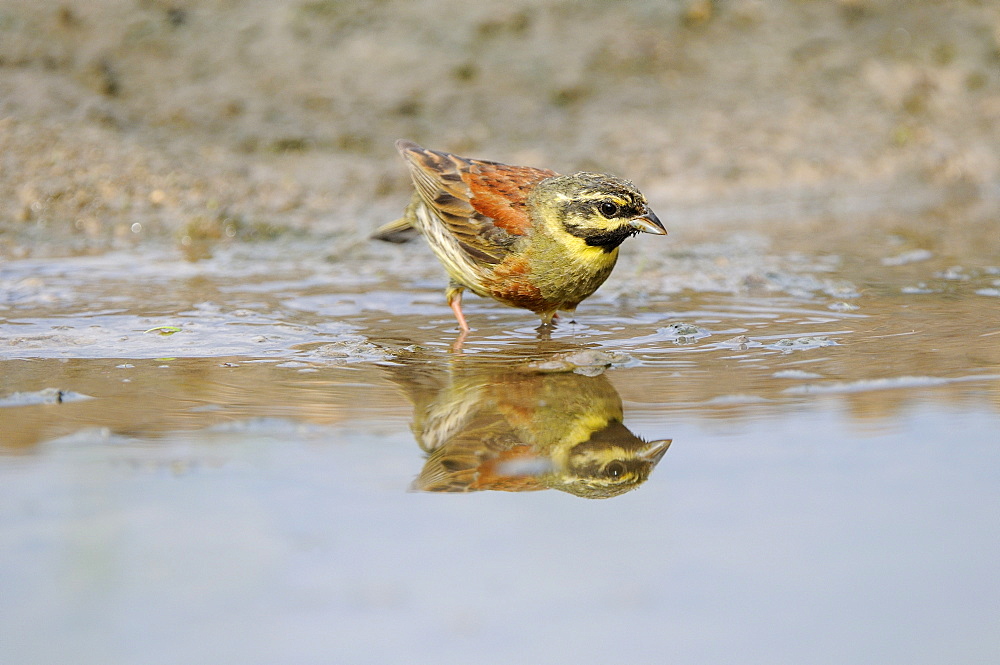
(398,231)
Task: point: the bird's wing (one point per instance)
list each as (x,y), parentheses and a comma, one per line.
(482,205)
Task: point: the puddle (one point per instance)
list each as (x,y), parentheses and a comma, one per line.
(796,444)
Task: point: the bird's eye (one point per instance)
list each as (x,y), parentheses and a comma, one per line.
(609,209)
(615,470)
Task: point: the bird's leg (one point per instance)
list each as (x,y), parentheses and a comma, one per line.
(548,325)
(454,294)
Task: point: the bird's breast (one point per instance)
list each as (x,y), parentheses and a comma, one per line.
(513,283)
(545,274)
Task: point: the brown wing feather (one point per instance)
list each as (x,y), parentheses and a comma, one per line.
(482,204)
(501,192)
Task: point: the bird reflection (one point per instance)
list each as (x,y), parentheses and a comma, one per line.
(517,430)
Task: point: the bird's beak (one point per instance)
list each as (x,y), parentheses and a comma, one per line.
(654,450)
(648,223)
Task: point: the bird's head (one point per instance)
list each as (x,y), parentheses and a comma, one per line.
(593,209)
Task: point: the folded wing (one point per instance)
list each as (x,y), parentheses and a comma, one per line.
(481,204)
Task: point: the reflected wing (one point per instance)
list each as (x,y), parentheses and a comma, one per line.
(473,468)
(449,413)
(483,453)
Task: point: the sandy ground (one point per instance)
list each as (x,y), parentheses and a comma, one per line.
(121,120)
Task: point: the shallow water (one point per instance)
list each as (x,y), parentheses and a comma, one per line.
(254,450)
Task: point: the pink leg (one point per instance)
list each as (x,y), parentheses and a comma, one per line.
(455,302)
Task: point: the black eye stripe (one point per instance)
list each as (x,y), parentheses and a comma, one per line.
(589,207)
(621,210)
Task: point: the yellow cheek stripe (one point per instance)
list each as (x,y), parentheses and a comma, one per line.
(581,252)
(602,197)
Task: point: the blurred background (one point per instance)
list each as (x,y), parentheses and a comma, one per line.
(240,118)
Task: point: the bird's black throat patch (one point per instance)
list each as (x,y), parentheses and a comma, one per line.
(606,239)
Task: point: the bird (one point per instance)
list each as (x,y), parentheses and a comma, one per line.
(523,236)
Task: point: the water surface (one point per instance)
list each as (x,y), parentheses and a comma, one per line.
(277,452)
